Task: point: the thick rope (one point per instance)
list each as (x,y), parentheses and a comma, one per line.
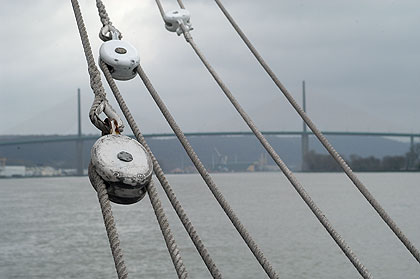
(362,188)
(109,222)
(106,22)
(289,174)
(94,74)
(102,13)
(162,179)
(166,232)
(207,178)
(154,198)
(97,87)
(181,5)
(160,7)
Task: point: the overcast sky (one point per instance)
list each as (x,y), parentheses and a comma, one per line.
(360,60)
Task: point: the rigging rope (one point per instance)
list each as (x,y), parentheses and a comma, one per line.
(109,222)
(151,190)
(103,15)
(162,179)
(289,174)
(100,101)
(207,178)
(94,75)
(181,5)
(96,180)
(362,188)
(166,231)
(162,12)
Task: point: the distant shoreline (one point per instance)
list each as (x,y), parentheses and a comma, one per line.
(243,172)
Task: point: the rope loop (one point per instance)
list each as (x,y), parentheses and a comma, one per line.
(109,32)
(97,122)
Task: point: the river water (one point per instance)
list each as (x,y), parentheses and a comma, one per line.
(53,228)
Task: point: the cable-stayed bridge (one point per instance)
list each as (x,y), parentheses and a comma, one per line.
(80,138)
(304,134)
(67,138)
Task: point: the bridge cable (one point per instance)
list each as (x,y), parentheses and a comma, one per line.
(162,179)
(96,180)
(362,188)
(288,173)
(100,99)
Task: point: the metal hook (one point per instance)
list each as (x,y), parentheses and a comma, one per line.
(113,121)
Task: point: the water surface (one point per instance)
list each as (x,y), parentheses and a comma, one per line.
(53,228)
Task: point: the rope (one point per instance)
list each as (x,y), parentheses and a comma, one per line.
(107,24)
(162,12)
(102,13)
(362,188)
(207,178)
(154,198)
(166,232)
(289,174)
(181,5)
(100,98)
(211,266)
(95,76)
(109,222)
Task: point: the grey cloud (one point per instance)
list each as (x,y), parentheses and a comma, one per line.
(359,58)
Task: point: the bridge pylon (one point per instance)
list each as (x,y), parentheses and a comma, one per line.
(79,142)
(304,136)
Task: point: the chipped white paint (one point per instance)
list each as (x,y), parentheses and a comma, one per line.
(136,172)
(121,57)
(175,18)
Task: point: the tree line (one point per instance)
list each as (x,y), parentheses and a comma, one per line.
(324,162)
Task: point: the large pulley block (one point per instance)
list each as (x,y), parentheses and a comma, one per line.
(124,165)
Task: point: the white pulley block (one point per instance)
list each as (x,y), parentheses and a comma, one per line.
(121,57)
(175,18)
(124,165)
